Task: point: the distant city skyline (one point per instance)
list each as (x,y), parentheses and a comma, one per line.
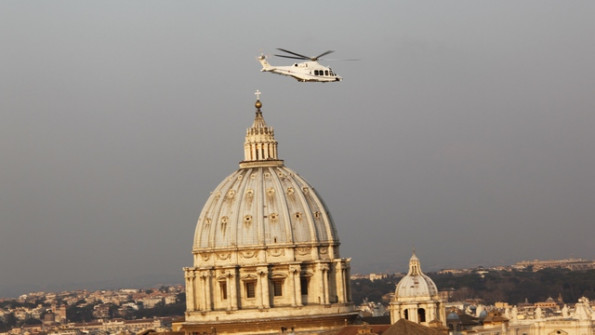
(150,281)
(465,130)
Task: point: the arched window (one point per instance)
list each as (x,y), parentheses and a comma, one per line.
(223,286)
(421,315)
(406,314)
(304,285)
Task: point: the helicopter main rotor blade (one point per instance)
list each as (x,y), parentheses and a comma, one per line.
(322,54)
(342,59)
(292,57)
(293,53)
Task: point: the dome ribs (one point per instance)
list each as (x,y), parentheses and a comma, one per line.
(247,212)
(302,206)
(279,233)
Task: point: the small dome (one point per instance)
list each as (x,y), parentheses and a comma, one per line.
(415,284)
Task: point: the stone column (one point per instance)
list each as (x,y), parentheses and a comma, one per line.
(263,285)
(295,285)
(416,313)
(347,285)
(259,291)
(206,289)
(233,286)
(265,150)
(324,289)
(189,276)
(196,296)
(228,291)
(341,282)
(247,152)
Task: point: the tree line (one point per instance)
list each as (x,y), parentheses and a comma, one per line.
(513,286)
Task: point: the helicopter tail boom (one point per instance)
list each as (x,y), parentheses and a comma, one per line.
(265,65)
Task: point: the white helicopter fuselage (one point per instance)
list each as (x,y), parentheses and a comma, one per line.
(309,71)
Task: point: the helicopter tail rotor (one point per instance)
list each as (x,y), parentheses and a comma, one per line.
(263,61)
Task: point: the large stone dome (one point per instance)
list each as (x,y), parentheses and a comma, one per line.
(266,251)
(264,206)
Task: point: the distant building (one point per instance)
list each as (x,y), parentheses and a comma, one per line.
(417,299)
(548,303)
(377,276)
(570,264)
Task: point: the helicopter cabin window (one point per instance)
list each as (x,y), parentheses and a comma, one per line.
(315,72)
(326,72)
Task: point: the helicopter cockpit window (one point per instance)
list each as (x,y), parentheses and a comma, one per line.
(326,72)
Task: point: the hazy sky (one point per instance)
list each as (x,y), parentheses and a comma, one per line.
(466,130)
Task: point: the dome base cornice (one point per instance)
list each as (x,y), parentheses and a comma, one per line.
(302,252)
(257,164)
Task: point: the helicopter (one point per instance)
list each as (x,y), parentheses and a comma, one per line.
(308,71)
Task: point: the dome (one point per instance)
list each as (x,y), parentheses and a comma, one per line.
(266,251)
(416,298)
(415,284)
(264,204)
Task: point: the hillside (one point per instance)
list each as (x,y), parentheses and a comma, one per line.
(511,286)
